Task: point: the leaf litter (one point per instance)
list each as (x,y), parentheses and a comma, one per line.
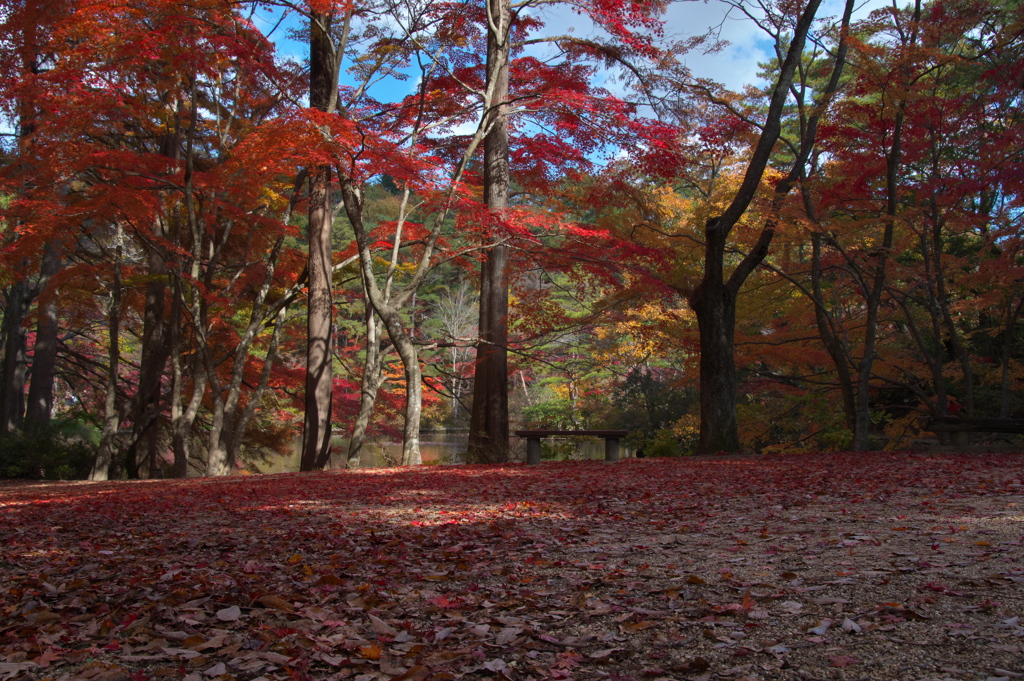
(873,566)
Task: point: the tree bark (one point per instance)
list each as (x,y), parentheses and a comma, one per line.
(316,432)
(111,416)
(183,416)
(489,429)
(373,368)
(151,365)
(834,345)
(15,364)
(714,299)
(44,354)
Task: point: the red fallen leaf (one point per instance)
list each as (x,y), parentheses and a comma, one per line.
(842,661)
(49,656)
(694,579)
(443,602)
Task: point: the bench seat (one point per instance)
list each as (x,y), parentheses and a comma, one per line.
(533,438)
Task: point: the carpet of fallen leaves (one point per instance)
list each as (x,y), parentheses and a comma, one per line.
(880,566)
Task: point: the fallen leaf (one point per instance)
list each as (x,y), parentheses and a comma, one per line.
(842,661)
(276,602)
(229,614)
(381,627)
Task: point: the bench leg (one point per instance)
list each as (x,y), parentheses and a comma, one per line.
(611,449)
(532,451)
(960,439)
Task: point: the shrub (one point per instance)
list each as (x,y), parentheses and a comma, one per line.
(52,453)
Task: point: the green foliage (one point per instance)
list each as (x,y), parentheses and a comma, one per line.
(665,442)
(555,414)
(649,403)
(59,452)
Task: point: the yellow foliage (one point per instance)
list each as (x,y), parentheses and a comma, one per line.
(902,432)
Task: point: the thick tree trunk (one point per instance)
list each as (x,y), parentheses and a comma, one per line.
(145,419)
(44,353)
(489,429)
(714,299)
(316,432)
(714,304)
(15,363)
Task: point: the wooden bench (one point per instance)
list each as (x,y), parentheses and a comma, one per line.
(533,438)
(961,426)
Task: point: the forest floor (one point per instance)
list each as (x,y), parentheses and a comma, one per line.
(879,566)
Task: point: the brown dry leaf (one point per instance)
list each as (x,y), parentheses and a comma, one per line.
(692,666)
(417,672)
(329,580)
(370,652)
(603,655)
(381,627)
(507,635)
(632,628)
(276,602)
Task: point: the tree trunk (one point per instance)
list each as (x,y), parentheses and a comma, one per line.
(413,387)
(489,429)
(373,368)
(834,345)
(151,366)
(44,353)
(182,416)
(316,432)
(714,305)
(111,417)
(15,364)
(714,299)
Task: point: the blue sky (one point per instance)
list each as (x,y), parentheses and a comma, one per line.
(734,66)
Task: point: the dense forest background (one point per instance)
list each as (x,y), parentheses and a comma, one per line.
(449,216)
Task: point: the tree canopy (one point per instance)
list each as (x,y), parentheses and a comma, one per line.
(452,216)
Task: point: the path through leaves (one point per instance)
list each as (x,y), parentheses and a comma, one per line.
(880,566)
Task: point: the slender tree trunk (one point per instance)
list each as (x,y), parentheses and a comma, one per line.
(373,368)
(44,353)
(873,297)
(489,428)
(182,416)
(316,433)
(413,387)
(834,345)
(111,417)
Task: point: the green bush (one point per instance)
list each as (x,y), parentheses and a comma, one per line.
(45,454)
